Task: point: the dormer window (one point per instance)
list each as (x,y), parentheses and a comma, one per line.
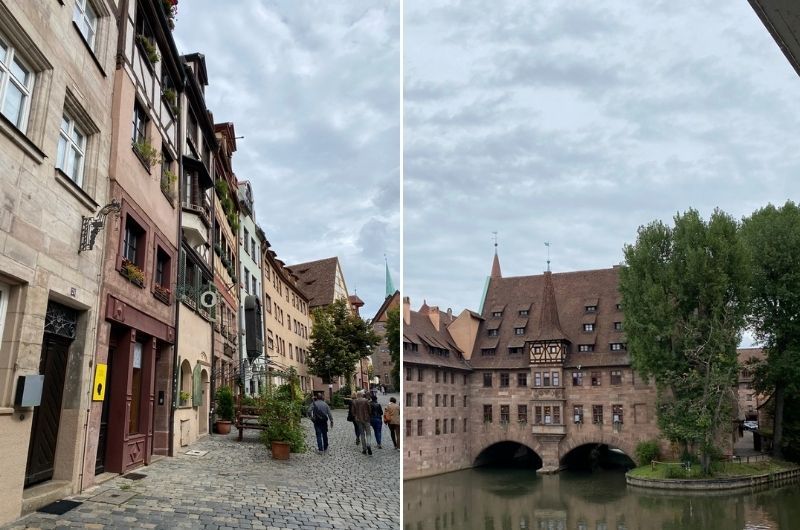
(585,347)
(523,312)
(493,332)
(553,348)
(588,327)
(512,350)
(591,309)
(519,331)
(617,346)
(487,351)
(497,314)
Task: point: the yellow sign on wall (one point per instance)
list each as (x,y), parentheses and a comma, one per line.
(99,389)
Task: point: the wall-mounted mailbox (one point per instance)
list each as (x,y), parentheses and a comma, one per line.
(29,391)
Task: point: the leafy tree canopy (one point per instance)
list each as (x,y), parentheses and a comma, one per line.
(393,340)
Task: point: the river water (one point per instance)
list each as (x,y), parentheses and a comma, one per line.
(503,499)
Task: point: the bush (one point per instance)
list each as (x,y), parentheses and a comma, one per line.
(674,472)
(225,403)
(338,402)
(647,451)
(281,419)
(345,391)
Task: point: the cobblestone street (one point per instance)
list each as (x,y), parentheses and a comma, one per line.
(238,485)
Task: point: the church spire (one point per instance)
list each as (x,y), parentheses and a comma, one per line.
(496,262)
(389,283)
(549,324)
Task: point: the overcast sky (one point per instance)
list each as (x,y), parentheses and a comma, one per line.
(313,87)
(577,122)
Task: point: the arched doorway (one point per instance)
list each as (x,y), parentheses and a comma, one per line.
(186,384)
(595,456)
(203,412)
(509,454)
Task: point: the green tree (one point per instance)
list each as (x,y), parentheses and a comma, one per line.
(772,238)
(393,341)
(339,340)
(684,296)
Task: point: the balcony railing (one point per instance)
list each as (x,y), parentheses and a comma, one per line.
(203,210)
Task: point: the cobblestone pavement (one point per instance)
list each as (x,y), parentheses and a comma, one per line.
(238,485)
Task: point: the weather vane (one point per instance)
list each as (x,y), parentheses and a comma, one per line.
(547,244)
(494,236)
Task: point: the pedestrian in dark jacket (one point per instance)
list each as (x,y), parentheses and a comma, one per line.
(320,413)
(376,419)
(361,416)
(351,418)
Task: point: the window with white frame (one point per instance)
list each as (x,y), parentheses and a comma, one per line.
(85,18)
(16,84)
(71,150)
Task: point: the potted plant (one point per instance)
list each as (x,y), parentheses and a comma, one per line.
(150,48)
(171,97)
(147,153)
(162,293)
(184,397)
(281,420)
(132,271)
(224,410)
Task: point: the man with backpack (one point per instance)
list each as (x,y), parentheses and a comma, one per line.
(320,413)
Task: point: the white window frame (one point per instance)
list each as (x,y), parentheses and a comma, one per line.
(7,77)
(65,158)
(79,16)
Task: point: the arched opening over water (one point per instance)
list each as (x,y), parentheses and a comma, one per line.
(593,456)
(509,454)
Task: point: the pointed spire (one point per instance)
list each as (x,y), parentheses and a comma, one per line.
(549,324)
(389,283)
(496,262)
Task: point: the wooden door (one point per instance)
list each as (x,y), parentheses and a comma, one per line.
(102,436)
(46,417)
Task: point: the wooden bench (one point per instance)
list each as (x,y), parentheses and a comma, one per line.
(247,417)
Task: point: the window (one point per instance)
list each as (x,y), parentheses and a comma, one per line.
(557,415)
(617,346)
(493,332)
(487,414)
(547,414)
(246,281)
(577,413)
(577,378)
(537,415)
(452,378)
(420,400)
(487,379)
(497,314)
(523,312)
(591,308)
(537,349)
(438,427)
(487,351)
(437,376)
(255,286)
(618,326)
(132,242)
(465,401)
(556,379)
(246,238)
(519,331)
(522,379)
(420,428)
(253,251)
(596,379)
(409,402)
(16,84)
(408,428)
(619,307)
(597,414)
(162,268)
(504,414)
(545,378)
(139,124)
(588,327)
(444,426)
(436,401)
(465,424)
(452,425)
(616,413)
(452,400)
(522,413)
(514,349)
(71,150)
(465,379)
(537,379)
(616,377)
(504,379)
(86,19)
(4,293)
(420,373)
(585,347)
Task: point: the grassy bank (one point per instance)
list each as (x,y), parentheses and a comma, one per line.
(719,470)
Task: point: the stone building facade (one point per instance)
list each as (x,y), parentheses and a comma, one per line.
(382,363)
(547,369)
(55,142)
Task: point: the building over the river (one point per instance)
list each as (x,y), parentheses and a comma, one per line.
(542,370)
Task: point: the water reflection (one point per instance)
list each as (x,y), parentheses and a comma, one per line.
(505,499)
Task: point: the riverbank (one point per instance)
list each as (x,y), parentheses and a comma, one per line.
(727,475)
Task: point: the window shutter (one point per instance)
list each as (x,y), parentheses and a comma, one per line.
(197,390)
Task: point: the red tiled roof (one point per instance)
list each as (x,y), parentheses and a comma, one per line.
(317,280)
(563,303)
(420,331)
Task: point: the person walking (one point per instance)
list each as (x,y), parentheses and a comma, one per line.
(376,419)
(320,413)
(361,417)
(350,417)
(391,416)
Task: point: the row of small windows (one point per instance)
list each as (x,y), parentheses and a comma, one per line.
(441,426)
(439,401)
(551,414)
(551,379)
(588,327)
(439,375)
(592,308)
(537,349)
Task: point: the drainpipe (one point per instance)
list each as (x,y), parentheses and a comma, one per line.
(213,386)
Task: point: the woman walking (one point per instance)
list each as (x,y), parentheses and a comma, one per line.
(376,419)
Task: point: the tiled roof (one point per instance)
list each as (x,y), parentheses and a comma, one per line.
(317,280)
(564,305)
(420,331)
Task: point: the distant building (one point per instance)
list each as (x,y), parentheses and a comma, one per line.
(254,363)
(748,399)
(545,366)
(382,363)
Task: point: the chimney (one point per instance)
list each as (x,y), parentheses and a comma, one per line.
(406,311)
(433,314)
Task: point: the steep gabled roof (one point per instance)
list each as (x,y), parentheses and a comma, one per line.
(421,331)
(317,279)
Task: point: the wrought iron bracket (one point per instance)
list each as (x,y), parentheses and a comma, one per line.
(91,226)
